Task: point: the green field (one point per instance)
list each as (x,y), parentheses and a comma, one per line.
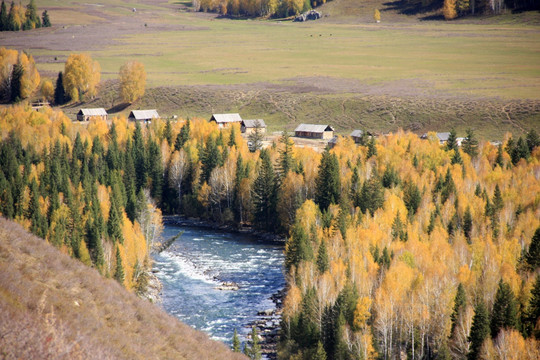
(333,59)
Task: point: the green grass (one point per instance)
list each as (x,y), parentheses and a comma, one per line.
(422,75)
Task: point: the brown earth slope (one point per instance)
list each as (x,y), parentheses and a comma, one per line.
(54,307)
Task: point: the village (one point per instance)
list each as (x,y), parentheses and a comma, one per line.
(316,136)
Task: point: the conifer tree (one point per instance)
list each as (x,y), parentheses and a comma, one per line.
(460,302)
(119,272)
(451,143)
(32,18)
(412,198)
(12,24)
(59,92)
(328,183)
(533,140)
(499,160)
(286,160)
(45,20)
(264,194)
(254,350)
(3,17)
(210,159)
(372,149)
(470,144)
(504,314)
(183,135)
(235,342)
(467,224)
(456,159)
(232,137)
(533,254)
(323,264)
(498,202)
(479,331)
(114,224)
(533,311)
(16,78)
(319,354)
(167,132)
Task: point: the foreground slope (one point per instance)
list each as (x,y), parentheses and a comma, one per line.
(52,306)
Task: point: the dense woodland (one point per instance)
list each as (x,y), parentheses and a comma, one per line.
(396,246)
(22,18)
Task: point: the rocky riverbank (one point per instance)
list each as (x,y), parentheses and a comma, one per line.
(268,324)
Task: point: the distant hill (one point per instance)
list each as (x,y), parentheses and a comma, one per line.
(54,307)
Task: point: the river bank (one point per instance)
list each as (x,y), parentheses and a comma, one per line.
(178,220)
(219,279)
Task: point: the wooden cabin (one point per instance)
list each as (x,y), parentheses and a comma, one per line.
(86,114)
(314,131)
(249,126)
(143,115)
(224,120)
(442,136)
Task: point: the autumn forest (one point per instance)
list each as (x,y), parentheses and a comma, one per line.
(395,246)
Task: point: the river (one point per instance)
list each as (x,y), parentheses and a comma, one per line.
(200,261)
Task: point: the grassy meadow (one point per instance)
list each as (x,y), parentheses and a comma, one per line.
(425,60)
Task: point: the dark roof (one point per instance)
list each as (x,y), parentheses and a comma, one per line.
(357,133)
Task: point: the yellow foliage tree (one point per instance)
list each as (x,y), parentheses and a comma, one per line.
(47,90)
(449,9)
(81,76)
(132,81)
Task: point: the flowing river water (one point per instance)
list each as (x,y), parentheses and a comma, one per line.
(200,261)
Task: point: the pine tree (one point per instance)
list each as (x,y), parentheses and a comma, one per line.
(210,159)
(286,160)
(470,144)
(412,198)
(467,224)
(119,272)
(532,258)
(533,140)
(499,160)
(264,194)
(498,202)
(235,342)
(114,224)
(167,132)
(504,315)
(232,137)
(533,311)
(183,136)
(254,350)
(59,92)
(32,19)
(45,21)
(3,17)
(479,331)
(372,149)
(328,184)
(16,78)
(323,264)
(451,143)
(12,24)
(319,354)
(255,138)
(460,302)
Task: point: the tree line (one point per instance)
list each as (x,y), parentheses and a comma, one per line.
(256,8)
(20,18)
(20,80)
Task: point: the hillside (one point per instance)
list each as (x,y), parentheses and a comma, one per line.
(54,307)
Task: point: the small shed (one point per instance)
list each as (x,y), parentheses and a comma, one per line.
(357,135)
(332,142)
(249,126)
(86,114)
(143,115)
(224,120)
(442,136)
(314,131)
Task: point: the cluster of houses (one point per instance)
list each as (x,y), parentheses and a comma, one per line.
(310,131)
